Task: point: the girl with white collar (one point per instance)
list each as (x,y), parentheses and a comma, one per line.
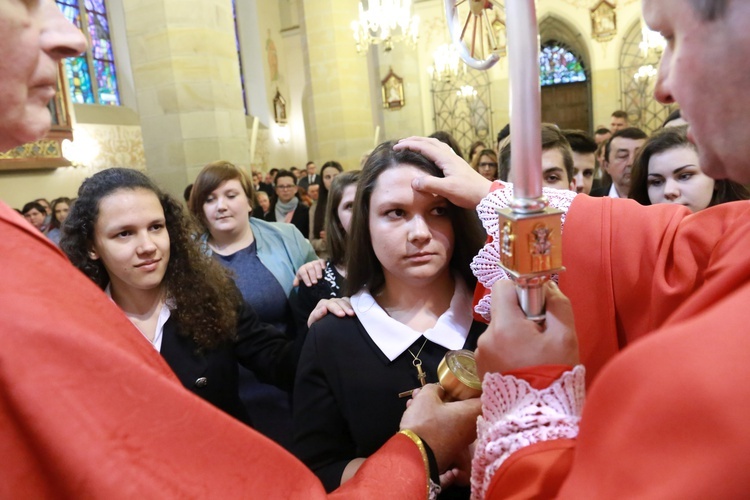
(408,273)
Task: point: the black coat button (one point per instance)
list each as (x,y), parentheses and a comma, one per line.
(201,382)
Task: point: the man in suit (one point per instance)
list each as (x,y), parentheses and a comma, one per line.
(287,206)
(619,155)
(311,177)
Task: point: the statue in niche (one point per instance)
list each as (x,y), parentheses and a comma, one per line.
(273,58)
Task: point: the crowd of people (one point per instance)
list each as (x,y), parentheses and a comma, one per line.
(150,305)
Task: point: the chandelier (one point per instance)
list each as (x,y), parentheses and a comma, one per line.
(652,42)
(446,64)
(386,22)
(652,45)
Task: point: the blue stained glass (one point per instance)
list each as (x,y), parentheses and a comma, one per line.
(71,12)
(107,82)
(81,70)
(79,80)
(558,65)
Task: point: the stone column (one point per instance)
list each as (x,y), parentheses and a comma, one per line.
(342,121)
(187,81)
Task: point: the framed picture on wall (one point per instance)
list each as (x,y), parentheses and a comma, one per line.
(392,88)
(279,108)
(603,21)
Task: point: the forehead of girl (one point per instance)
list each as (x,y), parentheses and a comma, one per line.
(129,205)
(394,185)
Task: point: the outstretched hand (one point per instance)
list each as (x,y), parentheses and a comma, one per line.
(448,428)
(462,185)
(512,341)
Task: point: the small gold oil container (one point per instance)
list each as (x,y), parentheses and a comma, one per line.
(457,373)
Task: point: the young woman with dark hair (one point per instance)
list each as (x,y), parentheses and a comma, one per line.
(136,243)
(338,219)
(328,173)
(408,258)
(667,170)
(60,209)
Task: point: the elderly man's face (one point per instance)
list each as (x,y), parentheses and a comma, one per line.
(35,36)
(704,68)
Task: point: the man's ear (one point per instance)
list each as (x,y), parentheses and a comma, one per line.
(573,184)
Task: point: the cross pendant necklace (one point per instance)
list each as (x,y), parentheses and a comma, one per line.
(421,375)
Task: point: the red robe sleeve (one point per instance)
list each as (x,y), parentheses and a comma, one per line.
(629,267)
(666,417)
(88,409)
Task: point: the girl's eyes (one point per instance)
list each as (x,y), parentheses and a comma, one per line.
(157,227)
(440,210)
(395,213)
(684,176)
(655,182)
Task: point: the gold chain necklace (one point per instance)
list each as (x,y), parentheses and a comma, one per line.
(421,375)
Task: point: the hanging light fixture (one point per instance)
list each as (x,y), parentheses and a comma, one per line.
(446,63)
(652,42)
(385,22)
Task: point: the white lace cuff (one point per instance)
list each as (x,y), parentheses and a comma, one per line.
(515,415)
(485,265)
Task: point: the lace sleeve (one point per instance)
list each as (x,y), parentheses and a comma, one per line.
(515,415)
(485,265)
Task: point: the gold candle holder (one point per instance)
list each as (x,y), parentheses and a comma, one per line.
(458,376)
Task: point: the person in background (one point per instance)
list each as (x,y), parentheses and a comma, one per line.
(310,177)
(557,160)
(328,173)
(36,214)
(619,154)
(667,170)
(264,205)
(601,135)
(486,164)
(263,258)
(476,148)
(287,207)
(337,221)
(314,192)
(60,209)
(584,159)
(619,121)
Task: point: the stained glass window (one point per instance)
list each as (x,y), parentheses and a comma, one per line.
(559,65)
(92,77)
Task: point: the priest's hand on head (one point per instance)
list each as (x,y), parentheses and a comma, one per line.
(512,341)
(447,428)
(462,185)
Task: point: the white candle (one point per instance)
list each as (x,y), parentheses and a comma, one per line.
(525,100)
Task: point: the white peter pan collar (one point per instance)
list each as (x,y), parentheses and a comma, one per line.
(393,337)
